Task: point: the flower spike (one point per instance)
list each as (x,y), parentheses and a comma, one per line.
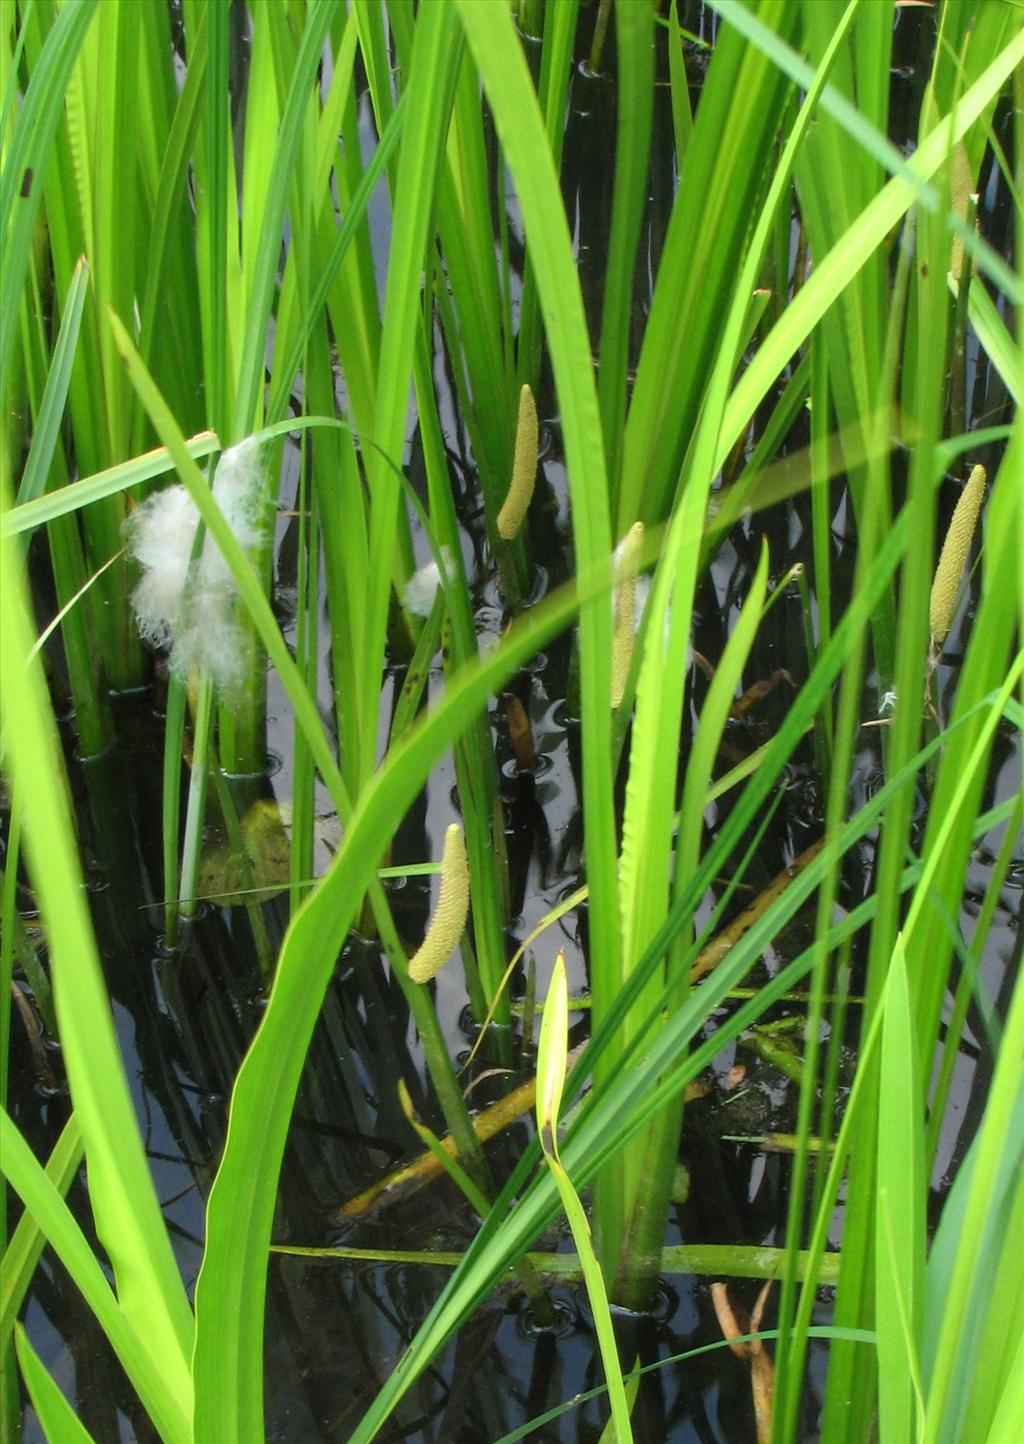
(524,469)
(449,920)
(953,557)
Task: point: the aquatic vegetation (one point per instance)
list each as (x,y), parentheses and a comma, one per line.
(769,388)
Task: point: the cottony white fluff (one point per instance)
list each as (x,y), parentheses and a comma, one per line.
(191,604)
(160,535)
(238,493)
(210,640)
(421,588)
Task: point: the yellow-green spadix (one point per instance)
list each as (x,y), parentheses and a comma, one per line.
(627,562)
(524,469)
(962,199)
(953,557)
(449,920)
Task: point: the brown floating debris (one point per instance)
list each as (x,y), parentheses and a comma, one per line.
(734,1323)
(520,733)
(720,945)
(424,1169)
(758,691)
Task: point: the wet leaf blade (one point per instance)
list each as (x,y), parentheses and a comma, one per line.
(552,1051)
(26,1243)
(128,1217)
(56,1415)
(148,1371)
(899,1246)
(598,1297)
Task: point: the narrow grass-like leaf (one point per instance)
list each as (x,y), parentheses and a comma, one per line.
(71,572)
(720,183)
(51,409)
(1006,1424)
(151,1371)
(682,112)
(951,823)
(899,1247)
(26,1243)
(996,341)
(264,274)
(216,209)
(24,518)
(995,1171)
(528,1430)
(473,320)
(499,58)
(21,182)
(165,266)
(845,259)
(285,370)
(632,1204)
(990,1382)
(429,97)
(553,90)
(868,136)
(446,1161)
(552,1051)
(634,36)
(56,1415)
(124,1201)
(713,717)
(709,1260)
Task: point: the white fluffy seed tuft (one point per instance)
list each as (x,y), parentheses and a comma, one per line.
(160,536)
(190,605)
(421,588)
